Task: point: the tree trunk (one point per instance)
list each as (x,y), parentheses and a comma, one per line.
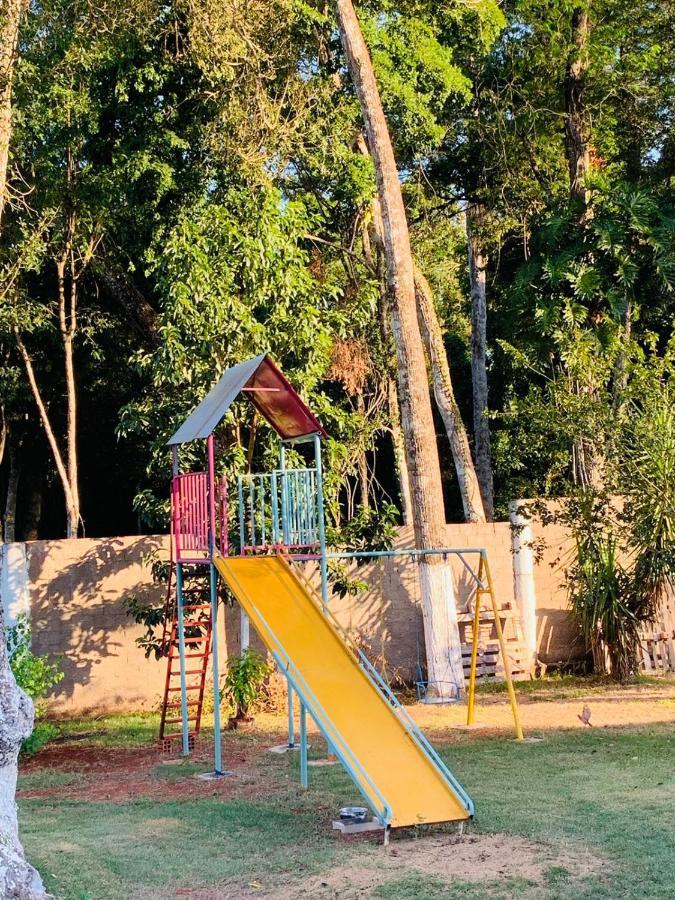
(9,531)
(373,239)
(444,659)
(31,531)
(10,19)
(443,391)
(362,463)
(399,451)
(445,400)
(475,215)
(577,131)
(588,454)
(72,508)
(68,327)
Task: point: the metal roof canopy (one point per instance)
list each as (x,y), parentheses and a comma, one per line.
(267,388)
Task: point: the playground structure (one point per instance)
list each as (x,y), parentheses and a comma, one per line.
(280,519)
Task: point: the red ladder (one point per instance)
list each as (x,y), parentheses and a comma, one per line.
(197,626)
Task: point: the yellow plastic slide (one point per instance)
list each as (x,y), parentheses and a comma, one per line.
(397,771)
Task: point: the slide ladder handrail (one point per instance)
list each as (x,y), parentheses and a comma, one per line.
(383,688)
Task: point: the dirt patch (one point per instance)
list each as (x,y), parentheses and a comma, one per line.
(231,891)
(473,858)
(121,774)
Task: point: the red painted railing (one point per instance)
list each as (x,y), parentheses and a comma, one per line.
(190,517)
(223,536)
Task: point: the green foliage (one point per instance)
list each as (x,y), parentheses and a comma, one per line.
(152,618)
(35,674)
(599,592)
(369,529)
(237,282)
(222,208)
(647,449)
(245,679)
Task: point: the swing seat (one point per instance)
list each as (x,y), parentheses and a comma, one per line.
(440,692)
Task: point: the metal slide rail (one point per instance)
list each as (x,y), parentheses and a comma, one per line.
(382,687)
(383,812)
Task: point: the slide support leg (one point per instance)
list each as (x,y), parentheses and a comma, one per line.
(217,749)
(303,745)
(291,723)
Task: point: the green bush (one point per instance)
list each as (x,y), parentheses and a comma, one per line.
(36,675)
(244,682)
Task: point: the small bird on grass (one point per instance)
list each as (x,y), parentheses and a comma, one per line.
(585,716)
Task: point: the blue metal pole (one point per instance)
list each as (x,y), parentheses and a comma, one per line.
(291,723)
(261,494)
(275,509)
(251,488)
(284,540)
(217,750)
(284,496)
(322,534)
(181,649)
(242,529)
(303,745)
(321,522)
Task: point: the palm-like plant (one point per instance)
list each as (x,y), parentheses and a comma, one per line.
(599,591)
(649,461)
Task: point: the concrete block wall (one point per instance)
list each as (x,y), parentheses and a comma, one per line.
(77,588)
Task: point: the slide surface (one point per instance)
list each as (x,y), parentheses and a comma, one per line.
(384,755)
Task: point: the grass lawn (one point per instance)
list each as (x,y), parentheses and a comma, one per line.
(585,813)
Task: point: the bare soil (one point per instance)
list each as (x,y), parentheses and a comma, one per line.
(472,858)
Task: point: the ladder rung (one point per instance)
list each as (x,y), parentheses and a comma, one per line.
(180,719)
(179,704)
(188,672)
(188,687)
(196,606)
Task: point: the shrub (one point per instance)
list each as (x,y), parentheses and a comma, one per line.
(244,682)
(36,675)
(606,583)
(599,597)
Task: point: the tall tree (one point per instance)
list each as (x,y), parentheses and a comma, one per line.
(432,334)
(475,218)
(444,658)
(577,136)
(11,15)
(444,394)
